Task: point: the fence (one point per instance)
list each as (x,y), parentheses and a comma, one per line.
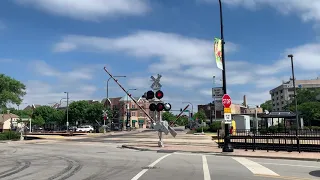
(285,140)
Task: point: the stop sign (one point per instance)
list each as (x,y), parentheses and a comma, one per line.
(226,101)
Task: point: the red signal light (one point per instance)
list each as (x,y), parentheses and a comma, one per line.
(159,94)
(160,107)
(152,107)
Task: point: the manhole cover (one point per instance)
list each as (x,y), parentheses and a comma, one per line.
(315,173)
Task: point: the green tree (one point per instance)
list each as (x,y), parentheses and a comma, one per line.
(267,105)
(11,90)
(59,117)
(168,116)
(94,112)
(45,112)
(310,112)
(38,121)
(200,115)
(77,111)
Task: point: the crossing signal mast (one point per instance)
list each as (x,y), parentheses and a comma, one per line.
(160,126)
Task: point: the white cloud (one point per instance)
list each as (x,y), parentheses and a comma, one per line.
(189,63)
(306,9)
(42,68)
(91,10)
(76,82)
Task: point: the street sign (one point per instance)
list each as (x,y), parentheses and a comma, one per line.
(227,118)
(156,83)
(218,105)
(226,101)
(217,92)
(227,110)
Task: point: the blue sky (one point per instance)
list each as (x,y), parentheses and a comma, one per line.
(54,46)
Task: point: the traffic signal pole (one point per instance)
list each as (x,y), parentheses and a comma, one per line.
(227,146)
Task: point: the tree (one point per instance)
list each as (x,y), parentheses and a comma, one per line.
(168,116)
(59,117)
(200,115)
(45,112)
(11,91)
(77,111)
(267,105)
(38,121)
(94,112)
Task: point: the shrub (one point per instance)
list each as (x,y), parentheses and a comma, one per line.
(205,129)
(9,135)
(215,126)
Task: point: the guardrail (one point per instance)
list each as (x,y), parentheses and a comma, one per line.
(284,140)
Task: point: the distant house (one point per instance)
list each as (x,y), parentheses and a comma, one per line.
(31,107)
(9,121)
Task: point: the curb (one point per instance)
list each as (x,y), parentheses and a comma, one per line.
(269,157)
(218,154)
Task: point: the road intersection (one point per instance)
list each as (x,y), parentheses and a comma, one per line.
(50,160)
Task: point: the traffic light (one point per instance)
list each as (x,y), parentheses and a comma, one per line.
(159,94)
(156,106)
(150,95)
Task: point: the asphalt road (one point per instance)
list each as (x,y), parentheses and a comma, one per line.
(86,161)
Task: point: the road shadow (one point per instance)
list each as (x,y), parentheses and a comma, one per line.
(315,173)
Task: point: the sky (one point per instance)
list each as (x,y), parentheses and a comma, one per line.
(57,46)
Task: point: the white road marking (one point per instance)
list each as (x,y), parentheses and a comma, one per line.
(289,165)
(206,172)
(151,165)
(254,167)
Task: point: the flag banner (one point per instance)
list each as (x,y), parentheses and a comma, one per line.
(218,52)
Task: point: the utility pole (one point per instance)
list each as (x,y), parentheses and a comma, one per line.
(128,110)
(227,145)
(294,90)
(67,110)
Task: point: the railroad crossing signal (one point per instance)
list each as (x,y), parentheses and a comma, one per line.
(158,95)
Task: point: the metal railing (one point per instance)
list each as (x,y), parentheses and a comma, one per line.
(301,140)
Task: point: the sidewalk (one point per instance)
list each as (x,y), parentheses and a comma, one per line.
(204,144)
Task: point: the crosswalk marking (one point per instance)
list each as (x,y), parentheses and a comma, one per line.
(206,172)
(254,167)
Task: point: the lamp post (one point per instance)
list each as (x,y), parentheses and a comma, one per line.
(108,85)
(19,105)
(67,110)
(190,116)
(294,89)
(227,146)
(128,109)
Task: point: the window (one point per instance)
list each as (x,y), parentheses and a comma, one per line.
(133,113)
(132,106)
(141,114)
(140,125)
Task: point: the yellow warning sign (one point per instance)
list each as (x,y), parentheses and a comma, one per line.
(227,110)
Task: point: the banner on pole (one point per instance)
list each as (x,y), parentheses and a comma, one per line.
(218,52)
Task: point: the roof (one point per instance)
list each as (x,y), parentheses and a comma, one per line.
(279,114)
(4,117)
(127,98)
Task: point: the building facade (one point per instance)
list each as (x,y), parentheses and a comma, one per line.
(282,95)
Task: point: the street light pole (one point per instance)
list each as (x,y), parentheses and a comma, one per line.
(294,90)
(214,99)
(128,109)
(67,110)
(189,112)
(227,146)
(108,85)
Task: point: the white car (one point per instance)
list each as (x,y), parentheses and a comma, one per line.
(86,128)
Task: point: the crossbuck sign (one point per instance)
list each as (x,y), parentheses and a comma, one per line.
(156,83)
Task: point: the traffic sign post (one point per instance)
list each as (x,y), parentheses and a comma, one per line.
(226,101)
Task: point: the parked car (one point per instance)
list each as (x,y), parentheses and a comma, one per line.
(85,128)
